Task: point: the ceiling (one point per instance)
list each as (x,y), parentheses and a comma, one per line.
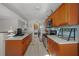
(32,11)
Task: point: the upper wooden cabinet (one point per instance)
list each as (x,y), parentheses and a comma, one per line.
(72,13)
(66,14)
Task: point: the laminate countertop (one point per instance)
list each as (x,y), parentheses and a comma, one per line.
(60,40)
(18,37)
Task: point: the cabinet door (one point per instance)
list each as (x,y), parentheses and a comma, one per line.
(27,41)
(68,50)
(78,48)
(56,48)
(59,17)
(13,48)
(66,14)
(53,47)
(62,15)
(72,13)
(24,44)
(49,46)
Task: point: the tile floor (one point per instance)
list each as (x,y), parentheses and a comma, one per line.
(36,48)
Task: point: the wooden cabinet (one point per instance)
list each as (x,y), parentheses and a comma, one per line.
(17,47)
(62,49)
(78,48)
(52,47)
(59,16)
(26,42)
(68,50)
(66,14)
(13,47)
(72,13)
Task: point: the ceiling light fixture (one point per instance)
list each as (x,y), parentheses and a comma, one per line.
(37,7)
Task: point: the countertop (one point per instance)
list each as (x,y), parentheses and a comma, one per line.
(17,37)
(63,40)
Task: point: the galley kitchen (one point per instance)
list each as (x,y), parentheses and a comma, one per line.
(42,29)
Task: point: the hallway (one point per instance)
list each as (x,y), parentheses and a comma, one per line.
(36,48)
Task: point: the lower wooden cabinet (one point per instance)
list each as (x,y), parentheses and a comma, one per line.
(13,48)
(17,47)
(53,47)
(62,49)
(68,50)
(26,42)
(50,49)
(78,49)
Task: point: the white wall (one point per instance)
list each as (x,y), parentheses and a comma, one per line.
(7,19)
(5,24)
(2,44)
(31,12)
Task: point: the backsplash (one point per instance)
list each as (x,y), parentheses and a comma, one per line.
(66,30)
(75,26)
